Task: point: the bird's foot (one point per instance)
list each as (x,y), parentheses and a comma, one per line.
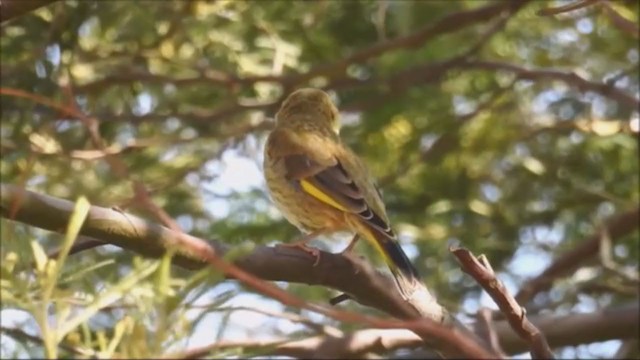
(349,248)
(304,247)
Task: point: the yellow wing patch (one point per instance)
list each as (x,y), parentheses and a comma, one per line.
(368,235)
(318,194)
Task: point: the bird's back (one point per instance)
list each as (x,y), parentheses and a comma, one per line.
(302,210)
(360,174)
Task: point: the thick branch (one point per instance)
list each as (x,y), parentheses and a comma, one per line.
(567,263)
(566,8)
(110,226)
(569,78)
(346,274)
(568,330)
(10,9)
(619,21)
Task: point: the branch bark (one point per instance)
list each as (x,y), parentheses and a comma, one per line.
(567,330)
(346,274)
(350,275)
(567,263)
(569,78)
(482,272)
(10,9)
(447,24)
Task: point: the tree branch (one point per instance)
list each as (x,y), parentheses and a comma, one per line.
(449,23)
(485,326)
(347,274)
(567,330)
(566,8)
(482,272)
(149,239)
(14,8)
(570,78)
(567,263)
(619,21)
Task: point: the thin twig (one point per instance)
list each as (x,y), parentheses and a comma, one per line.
(144,236)
(626,349)
(568,330)
(570,78)
(566,8)
(294,318)
(23,335)
(486,327)
(516,314)
(619,21)
(606,259)
(82,243)
(450,23)
(15,8)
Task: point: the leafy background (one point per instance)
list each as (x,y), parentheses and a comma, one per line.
(521,166)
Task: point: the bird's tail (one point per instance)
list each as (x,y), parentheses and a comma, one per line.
(403,271)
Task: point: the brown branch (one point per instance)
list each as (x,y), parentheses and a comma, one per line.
(565,330)
(117,165)
(248,346)
(82,243)
(567,263)
(628,350)
(449,23)
(609,264)
(421,74)
(318,347)
(90,155)
(616,19)
(402,80)
(569,78)
(481,271)
(317,327)
(601,325)
(344,273)
(419,297)
(399,82)
(148,239)
(619,21)
(566,8)
(202,117)
(434,71)
(13,8)
(364,284)
(485,326)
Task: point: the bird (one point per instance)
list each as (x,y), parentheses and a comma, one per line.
(321,186)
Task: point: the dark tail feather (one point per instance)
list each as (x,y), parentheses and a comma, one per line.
(405,274)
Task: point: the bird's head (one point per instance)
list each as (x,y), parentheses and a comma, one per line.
(309,106)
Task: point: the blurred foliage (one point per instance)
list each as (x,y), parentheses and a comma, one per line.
(183,89)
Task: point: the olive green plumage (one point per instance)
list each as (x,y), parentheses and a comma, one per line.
(320,185)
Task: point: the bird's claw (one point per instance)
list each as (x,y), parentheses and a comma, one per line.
(309,250)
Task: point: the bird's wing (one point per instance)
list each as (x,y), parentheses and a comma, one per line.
(353,192)
(333,185)
(310,164)
(331,173)
(323,169)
